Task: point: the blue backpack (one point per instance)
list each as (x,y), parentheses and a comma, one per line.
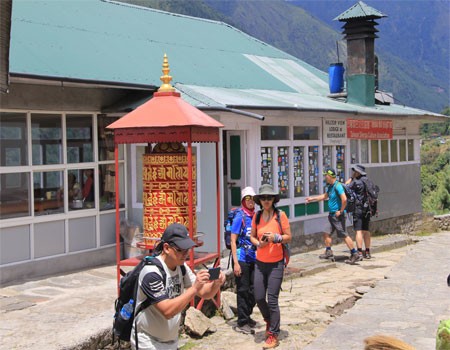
(229,223)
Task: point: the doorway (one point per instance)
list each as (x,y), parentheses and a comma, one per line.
(234,166)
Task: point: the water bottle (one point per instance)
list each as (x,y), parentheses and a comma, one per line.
(127,310)
(228,228)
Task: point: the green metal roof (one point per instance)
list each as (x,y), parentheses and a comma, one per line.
(359,10)
(213,64)
(120,43)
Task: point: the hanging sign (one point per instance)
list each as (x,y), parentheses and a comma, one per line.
(334,132)
(369,129)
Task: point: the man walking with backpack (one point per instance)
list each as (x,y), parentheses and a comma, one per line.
(157,326)
(361,215)
(337,201)
(244,257)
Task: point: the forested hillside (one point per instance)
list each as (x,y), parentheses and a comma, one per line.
(413,47)
(435,167)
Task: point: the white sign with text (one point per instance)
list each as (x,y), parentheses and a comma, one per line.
(334,131)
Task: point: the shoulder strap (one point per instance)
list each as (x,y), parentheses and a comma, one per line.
(154,261)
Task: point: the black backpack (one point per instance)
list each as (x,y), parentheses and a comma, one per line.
(128,288)
(351,198)
(371,195)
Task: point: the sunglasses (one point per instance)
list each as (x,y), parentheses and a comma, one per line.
(178,250)
(248,198)
(266,198)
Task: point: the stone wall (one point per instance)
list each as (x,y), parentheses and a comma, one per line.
(443,222)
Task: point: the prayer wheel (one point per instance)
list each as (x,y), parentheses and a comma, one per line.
(166,190)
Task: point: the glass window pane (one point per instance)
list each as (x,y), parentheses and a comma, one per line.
(374,154)
(107,188)
(283,172)
(46,138)
(13,139)
(14,195)
(402,146)
(79,139)
(48,192)
(384,151)
(274,133)
(354,158)
(410,150)
(327,161)
(394,157)
(299,175)
(306,133)
(313,169)
(340,163)
(106,139)
(81,187)
(266,165)
(364,151)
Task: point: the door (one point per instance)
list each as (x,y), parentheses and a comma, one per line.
(236,166)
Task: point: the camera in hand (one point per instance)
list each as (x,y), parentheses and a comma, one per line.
(214,273)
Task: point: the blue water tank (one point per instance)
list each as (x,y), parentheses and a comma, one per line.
(336,77)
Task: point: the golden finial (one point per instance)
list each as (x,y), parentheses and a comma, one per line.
(166,78)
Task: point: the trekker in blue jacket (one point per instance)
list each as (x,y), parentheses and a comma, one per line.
(244,257)
(337,201)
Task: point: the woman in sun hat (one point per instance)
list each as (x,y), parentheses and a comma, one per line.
(270,228)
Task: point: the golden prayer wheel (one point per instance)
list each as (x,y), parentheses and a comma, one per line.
(166,191)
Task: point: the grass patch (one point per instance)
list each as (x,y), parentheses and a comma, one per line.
(188,345)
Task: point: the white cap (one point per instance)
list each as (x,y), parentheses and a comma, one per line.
(248,191)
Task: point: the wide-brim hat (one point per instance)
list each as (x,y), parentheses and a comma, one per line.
(266,190)
(360,169)
(178,235)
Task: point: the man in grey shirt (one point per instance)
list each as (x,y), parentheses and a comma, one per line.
(158,325)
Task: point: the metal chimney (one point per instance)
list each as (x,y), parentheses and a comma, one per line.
(359,30)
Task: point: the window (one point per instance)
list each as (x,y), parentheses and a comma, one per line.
(306,133)
(340,163)
(354,157)
(79,139)
(283,172)
(410,150)
(384,151)
(266,165)
(327,161)
(46,136)
(374,152)
(364,151)
(81,189)
(48,192)
(299,174)
(106,139)
(313,169)
(13,139)
(14,195)
(394,155)
(274,133)
(107,189)
(402,147)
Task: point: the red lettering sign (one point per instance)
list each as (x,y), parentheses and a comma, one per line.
(369,129)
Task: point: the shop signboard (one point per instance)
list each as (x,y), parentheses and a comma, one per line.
(369,129)
(334,132)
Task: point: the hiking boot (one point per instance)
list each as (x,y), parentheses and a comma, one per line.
(367,255)
(271,342)
(327,255)
(354,258)
(251,322)
(245,329)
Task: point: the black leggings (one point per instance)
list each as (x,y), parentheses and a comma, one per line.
(268,279)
